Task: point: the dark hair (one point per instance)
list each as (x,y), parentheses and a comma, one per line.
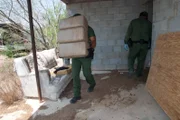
(77,14)
(144,13)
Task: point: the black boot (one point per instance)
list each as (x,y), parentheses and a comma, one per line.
(75,99)
(91,88)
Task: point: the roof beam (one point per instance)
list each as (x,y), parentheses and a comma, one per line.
(81,1)
(66,1)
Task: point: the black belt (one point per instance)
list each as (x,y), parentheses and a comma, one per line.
(141,41)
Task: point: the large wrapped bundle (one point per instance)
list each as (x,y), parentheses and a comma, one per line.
(72,50)
(73,37)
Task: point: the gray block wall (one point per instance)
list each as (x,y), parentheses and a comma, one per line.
(110,20)
(166,17)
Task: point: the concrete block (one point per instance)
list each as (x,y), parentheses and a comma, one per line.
(120,42)
(98,67)
(101,11)
(111,42)
(94,24)
(125,22)
(124,60)
(117,48)
(103,37)
(99,56)
(133,2)
(112,55)
(114,23)
(120,29)
(132,16)
(101,43)
(125,10)
(138,8)
(164,25)
(97,49)
(168,13)
(123,36)
(94,18)
(110,67)
(115,29)
(98,37)
(156,7)
(109,23)
(105,61)
(97,30)
(115,61)
(85,5)
(178,12)
(174,25)
(103,23)
(96,62)
(105,32)
(160,16)
(122,67)
(94,4)
(165,4)
(114,37)
(89,11)
(113,10)
(107,49)
(119,3)
(106,4)
(106,17)
(123,29)
(119,16)
(123,54)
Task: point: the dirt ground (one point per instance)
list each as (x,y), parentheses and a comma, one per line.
(2,58)
(111,85)
(17,106)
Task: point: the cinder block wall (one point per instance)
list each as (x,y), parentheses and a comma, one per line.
(110,20)
(166,17)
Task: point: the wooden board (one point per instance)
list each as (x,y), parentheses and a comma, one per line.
(164,78)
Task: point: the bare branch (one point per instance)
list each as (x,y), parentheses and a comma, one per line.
(11,8)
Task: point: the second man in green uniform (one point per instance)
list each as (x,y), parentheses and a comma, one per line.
(138,41)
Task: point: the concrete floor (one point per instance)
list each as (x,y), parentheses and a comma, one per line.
(135,104)
(115,98)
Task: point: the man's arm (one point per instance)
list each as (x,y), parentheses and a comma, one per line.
(92,37)
(128,33)
(93,41)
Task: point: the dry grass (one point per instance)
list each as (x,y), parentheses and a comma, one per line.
(10,86)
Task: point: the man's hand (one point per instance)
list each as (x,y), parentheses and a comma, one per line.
(126,47)
(90,53)
(93,41)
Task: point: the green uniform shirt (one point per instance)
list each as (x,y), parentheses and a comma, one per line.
(90,34)
(139,29)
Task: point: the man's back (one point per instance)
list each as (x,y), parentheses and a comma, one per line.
(139,29)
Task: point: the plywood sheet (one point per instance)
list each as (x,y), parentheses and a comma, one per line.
(164,78)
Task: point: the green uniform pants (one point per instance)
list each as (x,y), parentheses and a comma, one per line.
(76,68)
(138,51)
